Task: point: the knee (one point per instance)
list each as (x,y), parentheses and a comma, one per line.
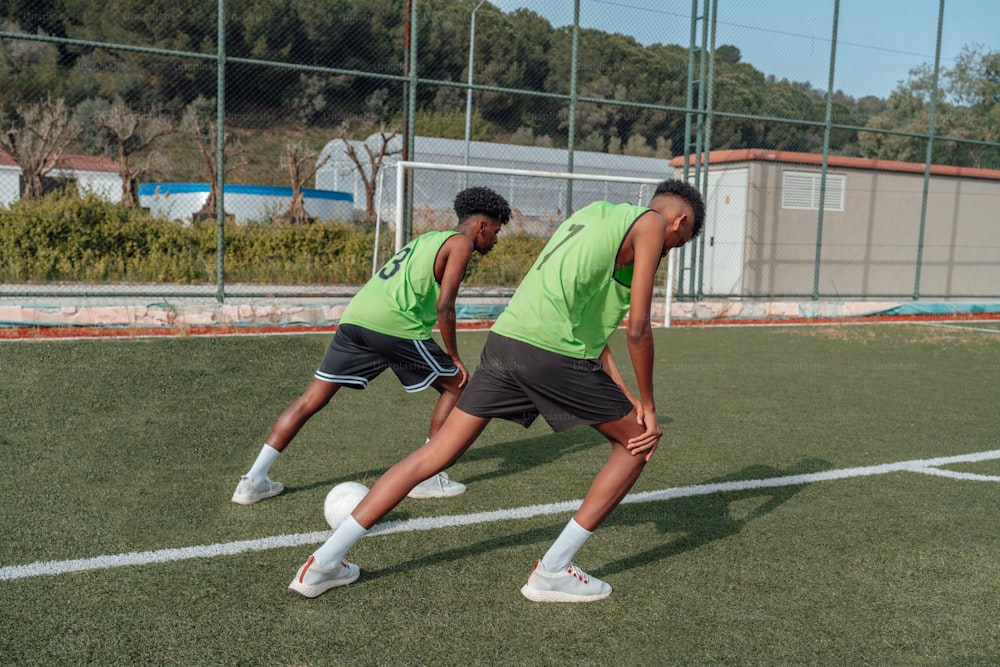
(628,458)
(427,463)
(436,456)
(312,402)
(307,406)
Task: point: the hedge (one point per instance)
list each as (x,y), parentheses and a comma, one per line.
(64,237)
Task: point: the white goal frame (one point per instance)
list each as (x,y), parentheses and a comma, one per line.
(403,165)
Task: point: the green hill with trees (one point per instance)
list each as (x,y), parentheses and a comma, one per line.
(268,105)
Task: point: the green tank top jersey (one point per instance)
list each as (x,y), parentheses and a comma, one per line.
(401,298)
(572,299)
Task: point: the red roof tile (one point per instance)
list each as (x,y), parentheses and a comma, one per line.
(758,154)
(74,162)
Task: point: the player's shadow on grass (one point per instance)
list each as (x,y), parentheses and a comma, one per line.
(700,520)
(704,518)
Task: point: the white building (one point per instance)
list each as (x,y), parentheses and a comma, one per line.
(91,174)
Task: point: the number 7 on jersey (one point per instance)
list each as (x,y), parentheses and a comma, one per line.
(572,231)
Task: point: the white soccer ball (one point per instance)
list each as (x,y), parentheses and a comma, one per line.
(341,501)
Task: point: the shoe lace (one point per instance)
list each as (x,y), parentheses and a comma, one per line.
(575,571)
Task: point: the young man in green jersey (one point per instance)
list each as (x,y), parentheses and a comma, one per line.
(547,354)
(388,324)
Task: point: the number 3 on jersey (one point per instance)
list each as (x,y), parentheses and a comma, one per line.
(394,264)
(573,231)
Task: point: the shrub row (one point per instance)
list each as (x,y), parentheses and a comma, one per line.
(65,237)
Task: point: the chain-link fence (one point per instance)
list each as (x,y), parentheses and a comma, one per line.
(277,116)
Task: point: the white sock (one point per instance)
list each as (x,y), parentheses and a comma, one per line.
(559,555)
(262,465)
(334,549)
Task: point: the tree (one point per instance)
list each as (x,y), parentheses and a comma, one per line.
(377,149)
(29,70)
(198,121)
(594,118)
(637,145)
(144,79)
(974,86)
(728,53)
(968,106)
(301,167)
(129,133)
(38,140)
(905,111)
(975,79)
(663,148)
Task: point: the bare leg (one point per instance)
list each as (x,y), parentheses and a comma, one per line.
(450,391)
(616,478)
(458,432)
(315,397)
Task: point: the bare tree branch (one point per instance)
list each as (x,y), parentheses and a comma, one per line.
(301,167)
(204,133)
(131,133)
(38,142)
(375,159)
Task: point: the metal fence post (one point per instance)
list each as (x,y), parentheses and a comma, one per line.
(927,161)
(688,144)
(828,120)
(220,158)
(411,114)
(709,79)
(571,131)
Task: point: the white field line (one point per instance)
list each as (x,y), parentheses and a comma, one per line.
(45,568)
(949,325)
(954,474)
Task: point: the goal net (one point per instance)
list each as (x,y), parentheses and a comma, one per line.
(538,200)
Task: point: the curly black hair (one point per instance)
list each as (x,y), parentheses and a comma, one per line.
(471,201)
(689,193)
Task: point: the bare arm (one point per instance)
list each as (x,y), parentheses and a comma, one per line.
(647,237)
(611,368)
(449,269)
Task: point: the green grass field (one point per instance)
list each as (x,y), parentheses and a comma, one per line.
(115,447)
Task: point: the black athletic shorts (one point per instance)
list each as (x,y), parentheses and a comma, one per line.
(357,355)
(517,381)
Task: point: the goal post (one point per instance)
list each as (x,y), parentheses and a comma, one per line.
(642,195)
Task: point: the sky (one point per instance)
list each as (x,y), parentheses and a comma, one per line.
(878,41)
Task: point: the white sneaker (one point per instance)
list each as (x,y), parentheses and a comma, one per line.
(570,585)
(312,580)
(250,491)
(438,486)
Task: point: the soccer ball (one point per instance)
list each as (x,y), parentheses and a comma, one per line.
(341,501)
